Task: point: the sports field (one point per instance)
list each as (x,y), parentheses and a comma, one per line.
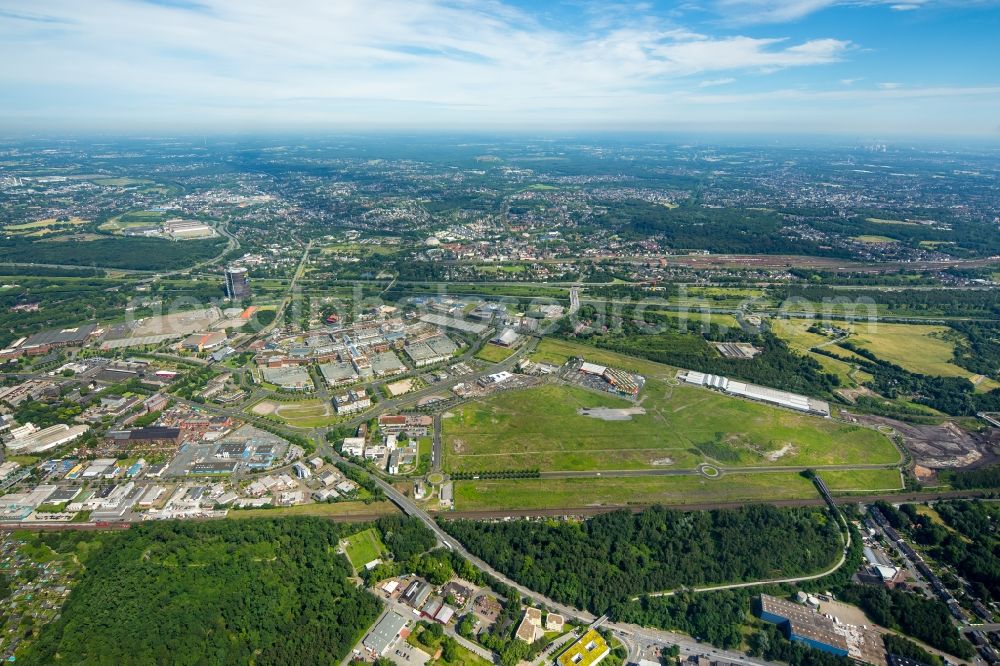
(363,547)
(572,493)
(541,428)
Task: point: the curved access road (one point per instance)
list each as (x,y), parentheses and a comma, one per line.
(687,644)
(770,581)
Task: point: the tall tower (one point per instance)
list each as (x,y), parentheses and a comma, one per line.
(237,285)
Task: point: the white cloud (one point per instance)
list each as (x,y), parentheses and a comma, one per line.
(448,63)
(748,12)
(770,11)
(868,94)
(347,55)
(711,83)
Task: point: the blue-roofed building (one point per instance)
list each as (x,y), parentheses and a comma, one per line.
(802,624)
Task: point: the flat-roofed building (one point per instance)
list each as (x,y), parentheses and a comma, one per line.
(384,634)
(339,373)
(589,650)
(353,446)
(433,350)
(455,323)
(200,342)
(40,343)
(765,394)
(146,436)
(414,425)
(46,438)
(187,229)
(802,624)
(352,402)
(387,363)
(289,378)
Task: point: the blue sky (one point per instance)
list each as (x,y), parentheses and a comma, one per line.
(862,67)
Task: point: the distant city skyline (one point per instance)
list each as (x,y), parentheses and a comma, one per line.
(863,67)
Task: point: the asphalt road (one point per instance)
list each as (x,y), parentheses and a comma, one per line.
(687,644)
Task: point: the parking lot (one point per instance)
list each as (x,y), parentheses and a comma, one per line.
(404,654)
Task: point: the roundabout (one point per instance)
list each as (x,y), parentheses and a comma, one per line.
(709,471)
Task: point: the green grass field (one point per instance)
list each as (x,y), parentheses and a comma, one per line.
(879,220)
(310,413)
(335,510)
(24,461)
(364,547)
(876,240)
(921,348)
(682,427)
(862,480)
(918,348)
(133,218)
(556,493)
(493,353)
(42,227)
(696,319)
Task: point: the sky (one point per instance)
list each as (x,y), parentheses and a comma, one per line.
(867,68)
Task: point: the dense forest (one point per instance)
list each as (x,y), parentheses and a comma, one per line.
(907,649)
(226,592)
(148,254)
(606,559)
(405,537)
(724,230)
(716,617)
(910,302)
(980,353)
(964,479)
